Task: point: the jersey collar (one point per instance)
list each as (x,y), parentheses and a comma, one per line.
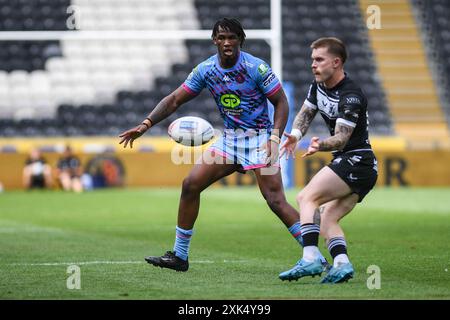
(228,69)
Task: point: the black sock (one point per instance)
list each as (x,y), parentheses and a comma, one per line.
(337,246)
(310,234)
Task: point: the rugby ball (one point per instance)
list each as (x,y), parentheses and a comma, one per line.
(191,131)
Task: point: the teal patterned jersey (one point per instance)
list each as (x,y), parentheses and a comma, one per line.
(240,92)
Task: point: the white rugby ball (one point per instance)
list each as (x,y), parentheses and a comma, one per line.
(191,131)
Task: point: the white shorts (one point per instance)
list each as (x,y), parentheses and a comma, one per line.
(244,148)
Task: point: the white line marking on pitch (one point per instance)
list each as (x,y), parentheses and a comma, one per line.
(76,263)
(80,263)
(29,229)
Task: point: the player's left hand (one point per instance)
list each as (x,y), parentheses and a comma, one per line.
(313,147)
(271,148)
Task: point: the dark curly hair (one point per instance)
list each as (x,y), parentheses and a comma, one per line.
(231,25)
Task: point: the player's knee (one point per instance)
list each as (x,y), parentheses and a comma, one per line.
(308,197)
(301,197)
(190,186)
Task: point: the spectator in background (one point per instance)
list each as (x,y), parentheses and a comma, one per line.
(36,173)
(69,171)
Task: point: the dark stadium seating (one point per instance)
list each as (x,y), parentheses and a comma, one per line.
(27,55)
(303,22)
(434,16)
(28,16)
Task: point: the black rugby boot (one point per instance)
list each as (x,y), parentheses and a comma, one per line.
(169,260)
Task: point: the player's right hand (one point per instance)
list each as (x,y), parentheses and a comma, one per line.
(289,146)
(313,147)
(131,135)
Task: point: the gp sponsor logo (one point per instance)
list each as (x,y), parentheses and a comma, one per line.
(230,100)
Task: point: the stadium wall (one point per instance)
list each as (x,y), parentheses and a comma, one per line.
(150,163)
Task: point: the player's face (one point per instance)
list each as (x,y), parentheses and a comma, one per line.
(227,43)
(35,154)
(67,152)
(324,65)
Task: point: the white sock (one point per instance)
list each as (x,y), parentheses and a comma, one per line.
(311,253)
(340,259)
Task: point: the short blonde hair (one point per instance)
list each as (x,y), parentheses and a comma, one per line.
(335,46)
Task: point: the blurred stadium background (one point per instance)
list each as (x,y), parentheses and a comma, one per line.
(83,87)
(59,87)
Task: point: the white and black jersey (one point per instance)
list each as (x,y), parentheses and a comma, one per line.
(356,164)
(345,103)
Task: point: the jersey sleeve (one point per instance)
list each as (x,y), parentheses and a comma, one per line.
(266,79)
(350,108)
(311,97)
(195,82)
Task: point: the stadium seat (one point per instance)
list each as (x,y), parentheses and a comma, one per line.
(115,77)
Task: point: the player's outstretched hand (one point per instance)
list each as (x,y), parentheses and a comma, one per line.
(289,146)
(130,135)
(313,147)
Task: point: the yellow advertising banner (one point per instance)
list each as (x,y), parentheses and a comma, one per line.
(168,168)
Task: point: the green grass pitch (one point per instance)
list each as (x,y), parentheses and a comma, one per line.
(238,249)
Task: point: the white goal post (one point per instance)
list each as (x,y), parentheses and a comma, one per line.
(273,36)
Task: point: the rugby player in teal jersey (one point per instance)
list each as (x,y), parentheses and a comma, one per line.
(240,84)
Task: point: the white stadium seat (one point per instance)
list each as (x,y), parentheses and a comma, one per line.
(93,71)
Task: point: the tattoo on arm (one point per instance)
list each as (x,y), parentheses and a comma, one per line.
(316,217)
(304,119)
(339,140)
(163,109)
(169,105)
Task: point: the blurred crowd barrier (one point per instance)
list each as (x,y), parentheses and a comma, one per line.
(159,162)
